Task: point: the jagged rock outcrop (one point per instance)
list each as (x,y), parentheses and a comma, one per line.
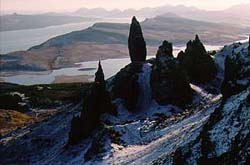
(136,43)
(225,138)
(96,102)
(236,73)
(198,64)
(125,86)
(166,49)
(169,82)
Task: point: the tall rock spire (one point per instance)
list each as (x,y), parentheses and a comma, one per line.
(99,75)
(197,38)
(96,102)
(136,43)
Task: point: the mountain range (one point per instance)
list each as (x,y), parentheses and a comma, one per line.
(232,15)
(65,50)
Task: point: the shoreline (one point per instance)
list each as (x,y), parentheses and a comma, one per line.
(72,79)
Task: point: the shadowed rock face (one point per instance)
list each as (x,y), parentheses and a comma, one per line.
(169,82)
(126,87)
(198,64)
(99,76)
(166,49)
(136,42)
(96,102)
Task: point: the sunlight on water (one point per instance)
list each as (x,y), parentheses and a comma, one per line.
(24,39)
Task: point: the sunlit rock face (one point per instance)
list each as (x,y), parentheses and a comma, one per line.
(198,64)
(136,42)
(224,139)
(237,72)
(169,82)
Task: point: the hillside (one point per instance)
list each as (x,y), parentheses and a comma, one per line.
(109,40)
(21,22)
(157,135)
(176,29)
(164,110)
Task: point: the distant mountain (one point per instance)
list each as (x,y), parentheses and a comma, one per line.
(169,26)
(109,40)
(19,22)
(237,15)
(147,12)
(241,10)
(234,15)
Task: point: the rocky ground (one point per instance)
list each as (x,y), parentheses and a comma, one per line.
(122,121)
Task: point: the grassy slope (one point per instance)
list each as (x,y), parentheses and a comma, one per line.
(176,29)
(10,120)
(41,95)
(46,99)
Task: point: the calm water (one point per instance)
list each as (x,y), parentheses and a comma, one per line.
(110,68)
(24,39)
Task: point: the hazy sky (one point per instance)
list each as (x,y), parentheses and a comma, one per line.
(69,5)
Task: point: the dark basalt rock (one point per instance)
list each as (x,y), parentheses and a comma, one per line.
(169,82)
(198,64)
(180,57)
(126,87)
(236,74)
(166,49)
(96,102)
(136,43)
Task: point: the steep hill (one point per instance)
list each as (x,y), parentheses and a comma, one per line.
(172,27)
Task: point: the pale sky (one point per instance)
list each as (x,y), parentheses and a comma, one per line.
(71,5)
